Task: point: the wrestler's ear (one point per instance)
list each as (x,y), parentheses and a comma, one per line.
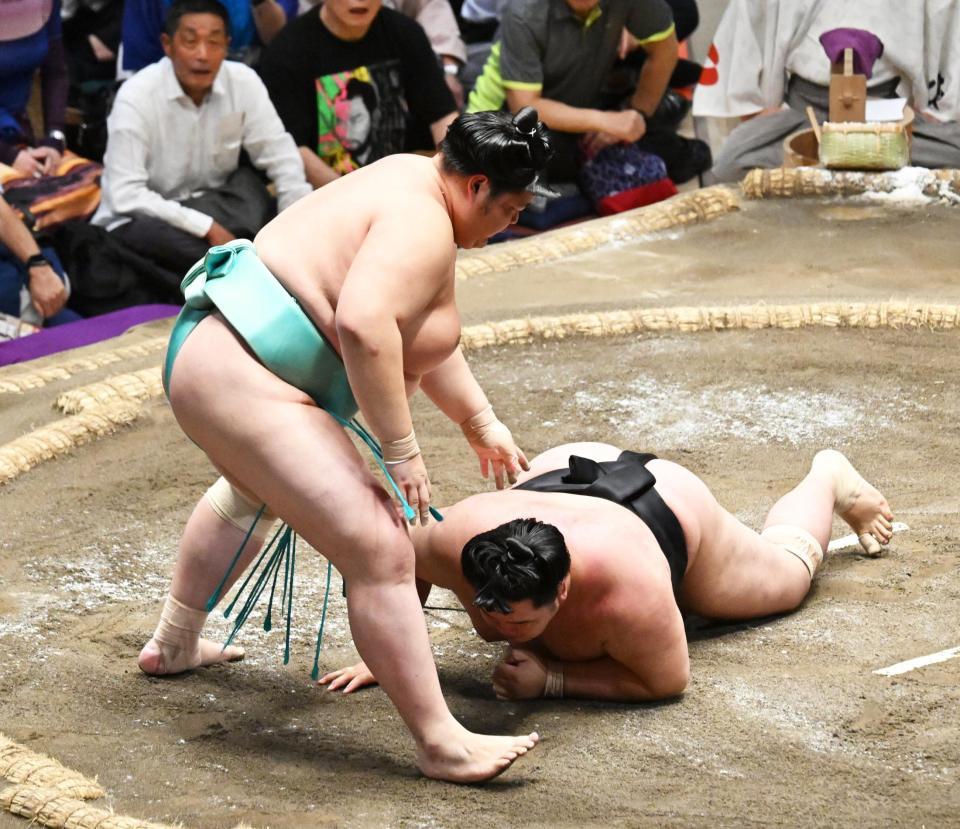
(475,184)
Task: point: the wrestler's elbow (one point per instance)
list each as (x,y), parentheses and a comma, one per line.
(358,331)
(671,683)
(667,684)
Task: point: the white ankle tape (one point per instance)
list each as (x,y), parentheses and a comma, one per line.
(234,508)
(798,542)
(179,625)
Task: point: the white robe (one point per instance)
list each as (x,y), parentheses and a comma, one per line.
(759,43)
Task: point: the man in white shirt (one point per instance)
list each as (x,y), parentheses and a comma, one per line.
(172,183)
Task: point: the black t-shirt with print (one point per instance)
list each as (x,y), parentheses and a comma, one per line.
(356,101)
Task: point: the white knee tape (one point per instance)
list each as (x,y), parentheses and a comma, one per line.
(235,509)
(798,542)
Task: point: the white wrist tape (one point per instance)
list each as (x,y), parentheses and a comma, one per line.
(234,508)
(400,450)
(798,542)
(554,684)
(479,424)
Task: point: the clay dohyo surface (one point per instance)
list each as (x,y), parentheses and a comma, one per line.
(784,722)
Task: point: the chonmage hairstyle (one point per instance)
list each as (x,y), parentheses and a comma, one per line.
(522,559)
(510,150)
(181,7)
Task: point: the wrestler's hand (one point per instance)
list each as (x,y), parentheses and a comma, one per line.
(412,480)
(349,679)
(521,675)
(495,447)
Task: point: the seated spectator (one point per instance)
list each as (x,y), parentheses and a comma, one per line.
(556,55)
(252,25)
(767,65)
(173,183)
(33,287)
(31,39)
(335,74)
(438,20)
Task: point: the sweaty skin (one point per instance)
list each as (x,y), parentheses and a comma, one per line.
(371,260)
(616,629)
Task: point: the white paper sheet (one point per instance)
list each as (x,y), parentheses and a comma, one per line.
(885,109)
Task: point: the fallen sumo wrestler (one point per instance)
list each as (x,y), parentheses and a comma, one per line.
(590,592)
(344,304)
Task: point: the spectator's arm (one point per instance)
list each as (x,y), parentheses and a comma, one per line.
(556,114)
(14,234)
(126,165)
(269,17)
(47,291)
(656,72)
(268,144)
(438,21)
(318,172)
(438,129)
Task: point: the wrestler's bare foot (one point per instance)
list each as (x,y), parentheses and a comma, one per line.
(858,503)
(460,756)
(157,659)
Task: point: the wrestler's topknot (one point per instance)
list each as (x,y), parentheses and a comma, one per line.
(510,150)
(522,559)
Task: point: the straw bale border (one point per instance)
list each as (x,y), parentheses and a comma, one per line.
(17,382)
(103,407)
(801,182)
(60,437)
(19,764)
(139,385)
(686,209)
(49,794)
(893,314)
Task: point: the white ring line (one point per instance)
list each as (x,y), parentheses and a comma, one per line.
(852,541)
(919,662)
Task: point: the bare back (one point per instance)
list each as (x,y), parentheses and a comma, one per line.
(312,247)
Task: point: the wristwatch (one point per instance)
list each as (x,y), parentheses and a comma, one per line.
(36,261)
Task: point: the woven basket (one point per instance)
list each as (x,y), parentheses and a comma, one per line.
(867,146)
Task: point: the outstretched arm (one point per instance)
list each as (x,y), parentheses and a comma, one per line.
(455,391)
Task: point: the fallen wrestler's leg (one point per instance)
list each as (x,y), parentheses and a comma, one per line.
(739,574)
(214,533)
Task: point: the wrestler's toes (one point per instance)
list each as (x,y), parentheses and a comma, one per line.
(870,544)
